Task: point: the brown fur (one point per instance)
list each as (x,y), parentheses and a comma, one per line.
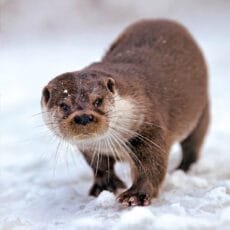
(157,66)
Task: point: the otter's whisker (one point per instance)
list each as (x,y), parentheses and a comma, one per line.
(138,135)
(108,160)
(41,113)
(66,155)
(114,150)
(95,153)
(135,119)
(98,158)
(129,150)
(45,125)
(56,158)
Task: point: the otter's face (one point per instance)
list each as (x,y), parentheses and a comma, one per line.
(76,105)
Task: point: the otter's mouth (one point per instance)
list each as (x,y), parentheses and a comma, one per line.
(79,126)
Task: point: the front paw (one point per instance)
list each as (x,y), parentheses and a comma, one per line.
(111,184)
(138,195)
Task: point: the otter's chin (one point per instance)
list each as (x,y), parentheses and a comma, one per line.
(80,133)
(86,140)
(89,138)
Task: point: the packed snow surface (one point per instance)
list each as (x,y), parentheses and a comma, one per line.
(44,182)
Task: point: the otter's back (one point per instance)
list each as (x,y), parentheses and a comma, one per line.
(165,53)
(168,60)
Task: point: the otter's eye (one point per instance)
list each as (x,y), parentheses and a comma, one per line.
(65,108)
(98,102)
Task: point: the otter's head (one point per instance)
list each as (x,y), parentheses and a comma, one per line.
(76,105)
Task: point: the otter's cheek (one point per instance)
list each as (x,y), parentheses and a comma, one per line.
(50,119)
(46,116)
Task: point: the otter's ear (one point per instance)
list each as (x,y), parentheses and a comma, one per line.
(46,95)
(111,85)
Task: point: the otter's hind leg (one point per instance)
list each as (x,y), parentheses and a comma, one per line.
(104,175)
(192,144)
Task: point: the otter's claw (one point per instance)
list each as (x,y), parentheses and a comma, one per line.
(139,199)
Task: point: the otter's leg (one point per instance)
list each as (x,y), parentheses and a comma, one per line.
(192,144)
(149,169)
(104,175)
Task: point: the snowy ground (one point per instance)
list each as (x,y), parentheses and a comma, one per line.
(43,185)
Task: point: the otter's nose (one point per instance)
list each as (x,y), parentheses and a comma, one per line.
(83,119)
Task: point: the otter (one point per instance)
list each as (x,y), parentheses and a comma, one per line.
(149,91)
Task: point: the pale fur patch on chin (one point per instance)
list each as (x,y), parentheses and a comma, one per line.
(103,144)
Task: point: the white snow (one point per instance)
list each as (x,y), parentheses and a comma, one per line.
(44,182)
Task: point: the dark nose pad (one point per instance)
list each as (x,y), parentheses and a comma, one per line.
(83,119)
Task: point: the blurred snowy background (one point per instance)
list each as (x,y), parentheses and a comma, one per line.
(44,184)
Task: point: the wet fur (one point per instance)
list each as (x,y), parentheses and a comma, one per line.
(161,82)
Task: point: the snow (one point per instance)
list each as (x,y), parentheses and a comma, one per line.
(44,182)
